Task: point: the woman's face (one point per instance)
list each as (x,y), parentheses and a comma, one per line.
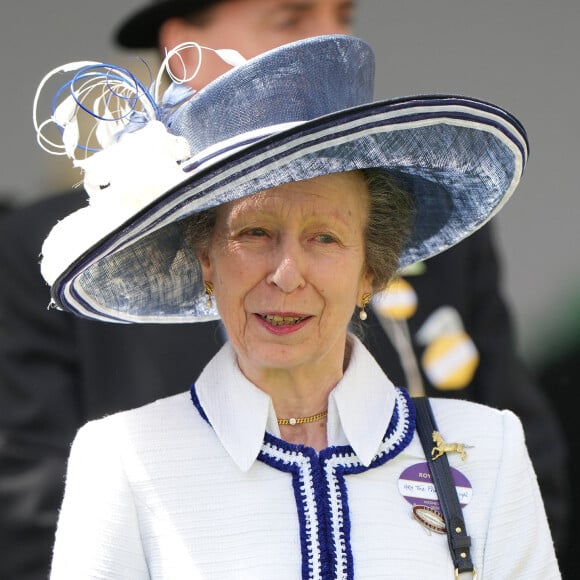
(288,269)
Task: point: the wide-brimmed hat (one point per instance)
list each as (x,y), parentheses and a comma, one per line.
(141,29)
(299,111)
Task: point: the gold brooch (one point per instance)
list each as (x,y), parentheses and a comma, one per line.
(441,447)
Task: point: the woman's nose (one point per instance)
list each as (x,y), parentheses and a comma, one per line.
(287,271)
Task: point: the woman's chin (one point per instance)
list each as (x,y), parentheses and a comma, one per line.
(276,355)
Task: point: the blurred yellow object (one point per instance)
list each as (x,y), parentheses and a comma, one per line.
(450,361)
(397,301)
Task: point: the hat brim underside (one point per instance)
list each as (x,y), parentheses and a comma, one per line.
(460,158)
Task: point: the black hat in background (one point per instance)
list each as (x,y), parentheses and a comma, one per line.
(141,29)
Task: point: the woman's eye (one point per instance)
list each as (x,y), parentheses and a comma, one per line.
(259,232)
(326,238)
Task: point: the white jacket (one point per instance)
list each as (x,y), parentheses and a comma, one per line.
(189,487)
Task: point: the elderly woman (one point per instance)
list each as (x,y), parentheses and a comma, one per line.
(281,198)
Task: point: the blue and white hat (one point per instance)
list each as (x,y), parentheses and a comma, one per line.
(296,112)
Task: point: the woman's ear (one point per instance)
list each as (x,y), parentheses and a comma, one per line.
(367,285)
(205,262)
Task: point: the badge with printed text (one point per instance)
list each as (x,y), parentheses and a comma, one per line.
(417,487)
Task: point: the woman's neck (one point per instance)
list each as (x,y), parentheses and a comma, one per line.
(297,392)
(300,393)
(309,434)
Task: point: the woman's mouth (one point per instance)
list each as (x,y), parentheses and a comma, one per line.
(281,320)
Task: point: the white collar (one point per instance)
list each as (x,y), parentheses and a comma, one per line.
(359,407)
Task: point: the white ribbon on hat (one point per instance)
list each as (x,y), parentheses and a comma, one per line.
(132,167)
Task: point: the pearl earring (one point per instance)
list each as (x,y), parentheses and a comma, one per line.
(366,298)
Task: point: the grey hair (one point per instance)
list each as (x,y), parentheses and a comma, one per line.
(391,212)
(388,227)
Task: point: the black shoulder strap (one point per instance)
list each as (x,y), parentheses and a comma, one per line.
(459,541)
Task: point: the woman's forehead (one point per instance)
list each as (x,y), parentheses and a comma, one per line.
(325,194)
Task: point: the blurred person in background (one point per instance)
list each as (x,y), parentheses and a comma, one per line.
(443,328)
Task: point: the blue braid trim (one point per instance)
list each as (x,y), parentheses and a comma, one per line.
(303,463)
(197,404)
(339,462)
(321,492)
(328,471)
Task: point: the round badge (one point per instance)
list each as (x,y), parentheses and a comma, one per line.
(398,301)
(417,487)
(450,361)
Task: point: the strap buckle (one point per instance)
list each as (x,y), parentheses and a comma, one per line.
(474,572)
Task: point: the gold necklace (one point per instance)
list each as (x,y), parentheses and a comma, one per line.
(300,420)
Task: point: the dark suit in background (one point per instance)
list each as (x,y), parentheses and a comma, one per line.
(559,377)
(58,371)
